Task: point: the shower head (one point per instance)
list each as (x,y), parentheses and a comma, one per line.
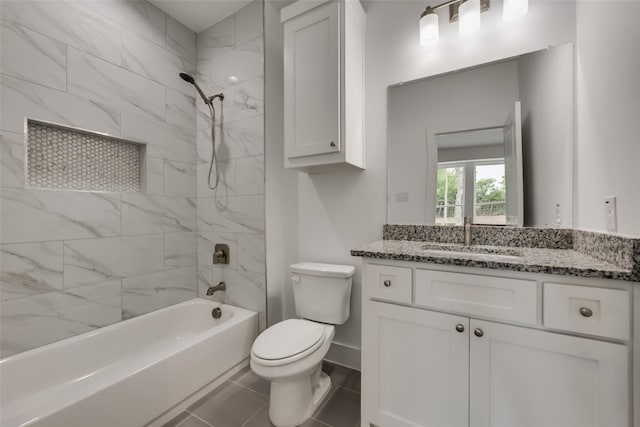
(189,79)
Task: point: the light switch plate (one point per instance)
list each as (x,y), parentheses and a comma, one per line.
(402,197)
(611,214)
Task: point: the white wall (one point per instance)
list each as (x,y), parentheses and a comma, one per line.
(608,113)
(281,200)
(546,93)
(336,212)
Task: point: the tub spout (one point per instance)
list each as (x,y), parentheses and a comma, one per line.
(219,287)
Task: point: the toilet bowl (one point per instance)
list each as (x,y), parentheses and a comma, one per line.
(290,356)
(290,353)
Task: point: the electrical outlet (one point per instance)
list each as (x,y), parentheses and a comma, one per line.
(402,197)
(611,214)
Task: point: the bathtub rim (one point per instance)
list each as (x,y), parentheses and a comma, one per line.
(132,320)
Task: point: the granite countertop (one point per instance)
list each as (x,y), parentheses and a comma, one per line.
(535,260)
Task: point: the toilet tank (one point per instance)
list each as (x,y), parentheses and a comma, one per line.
(322,292)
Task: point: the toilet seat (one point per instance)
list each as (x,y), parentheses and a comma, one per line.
(287,341)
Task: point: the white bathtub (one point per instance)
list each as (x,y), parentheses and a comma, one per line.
(128,374)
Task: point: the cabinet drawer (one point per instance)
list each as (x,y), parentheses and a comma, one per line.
(389,283)
(595,311)
(495,297)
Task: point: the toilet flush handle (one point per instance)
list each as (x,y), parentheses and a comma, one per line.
(295,278)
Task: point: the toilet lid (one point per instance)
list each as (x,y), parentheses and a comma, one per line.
(286,339)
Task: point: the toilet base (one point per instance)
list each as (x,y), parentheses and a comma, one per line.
(293,402)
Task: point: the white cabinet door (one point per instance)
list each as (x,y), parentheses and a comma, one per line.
(530,378)
(312,77)
(417,367)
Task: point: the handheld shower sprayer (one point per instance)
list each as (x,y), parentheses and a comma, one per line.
(209,101)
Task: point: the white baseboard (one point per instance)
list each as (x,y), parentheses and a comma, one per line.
(345,355)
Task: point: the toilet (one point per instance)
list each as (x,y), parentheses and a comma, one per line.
(290,353)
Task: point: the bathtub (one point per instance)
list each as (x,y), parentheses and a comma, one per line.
(134,373)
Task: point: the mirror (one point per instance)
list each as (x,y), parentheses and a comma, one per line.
(455,147)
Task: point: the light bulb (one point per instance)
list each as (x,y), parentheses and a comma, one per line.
(469,17)
(429,33)
(514,9)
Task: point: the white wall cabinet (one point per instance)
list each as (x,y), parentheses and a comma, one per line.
(432,368)
(323,84)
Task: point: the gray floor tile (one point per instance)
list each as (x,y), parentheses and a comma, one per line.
(261,419)
(229,405)
(177,420)
(342,376)
(324,401)
(342,409)
(194,422)
(256,383)
(240,374)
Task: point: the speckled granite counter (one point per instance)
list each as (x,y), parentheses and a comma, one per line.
(574,257)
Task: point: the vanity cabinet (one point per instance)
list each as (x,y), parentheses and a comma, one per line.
(470,356)
(323,84)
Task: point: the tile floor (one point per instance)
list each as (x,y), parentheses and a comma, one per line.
(243,401)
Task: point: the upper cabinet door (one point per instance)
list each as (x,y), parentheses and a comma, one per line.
(528,378)
(312,82)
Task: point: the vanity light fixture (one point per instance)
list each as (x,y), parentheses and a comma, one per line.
(467,12)
(514,9)
(469,17)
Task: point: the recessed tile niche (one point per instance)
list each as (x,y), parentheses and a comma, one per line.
(59,157)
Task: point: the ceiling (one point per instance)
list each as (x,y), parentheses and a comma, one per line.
(471,138)
(199,15)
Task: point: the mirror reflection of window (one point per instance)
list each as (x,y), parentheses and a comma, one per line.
(485,180)
(450,193)
(490,196)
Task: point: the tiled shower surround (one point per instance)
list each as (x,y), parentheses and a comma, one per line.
(230,60)
(75,261)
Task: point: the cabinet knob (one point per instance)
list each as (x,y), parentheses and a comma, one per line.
(386,283)
(478,332)
(460,327)
(333,143)
(586,312)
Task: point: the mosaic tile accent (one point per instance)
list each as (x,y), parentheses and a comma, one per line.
(64,158)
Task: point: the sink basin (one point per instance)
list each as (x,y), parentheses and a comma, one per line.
(461,250)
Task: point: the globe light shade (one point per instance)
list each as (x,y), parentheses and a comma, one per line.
(469,17)
(429,31)
(514,9)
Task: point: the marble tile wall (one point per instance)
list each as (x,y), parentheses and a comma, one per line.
(70,261)
(230,60)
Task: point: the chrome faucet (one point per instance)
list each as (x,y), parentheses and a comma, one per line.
(219,287)
(467,231)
